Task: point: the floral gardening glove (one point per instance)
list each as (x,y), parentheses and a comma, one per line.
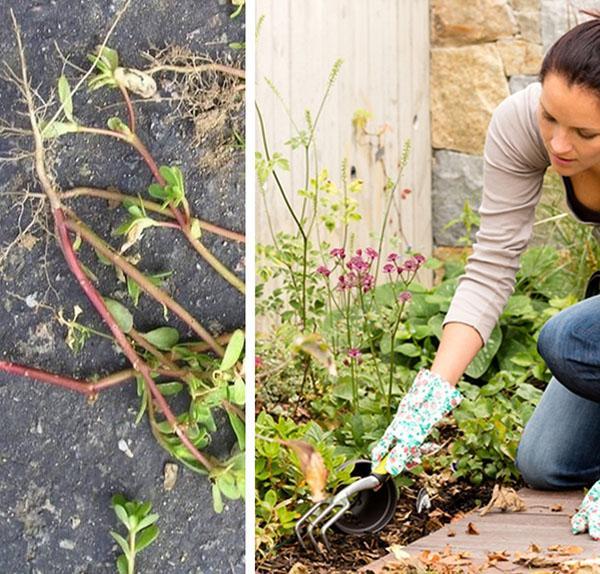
(588,517)
(427,401)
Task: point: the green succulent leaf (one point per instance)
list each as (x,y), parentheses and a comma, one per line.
(117,125)
(158,191)
(64,95)
(217,499)
(169,389)
(122,564)
(121,514)
(57,129)
(120,314)
(122,543)
(146,537)
(164,338)
(239,428)
(147,521)
(233,351)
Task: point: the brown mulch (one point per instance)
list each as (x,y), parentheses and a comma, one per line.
(352,552)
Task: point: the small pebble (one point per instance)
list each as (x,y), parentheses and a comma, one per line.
(75,522)
(170,476)
(31,300)
(124,447)
(67,544)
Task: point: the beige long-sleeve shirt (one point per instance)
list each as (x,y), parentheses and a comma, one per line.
(515,161)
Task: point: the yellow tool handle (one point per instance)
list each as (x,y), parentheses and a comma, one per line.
(380,468)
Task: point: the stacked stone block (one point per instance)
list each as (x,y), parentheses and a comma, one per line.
(481,51)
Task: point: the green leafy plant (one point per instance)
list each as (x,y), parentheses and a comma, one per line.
(141,530)
(282,494)
(491,420)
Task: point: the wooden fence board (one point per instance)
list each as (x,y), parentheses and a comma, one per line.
(385,48)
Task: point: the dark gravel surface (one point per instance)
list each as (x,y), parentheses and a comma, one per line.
(60,462)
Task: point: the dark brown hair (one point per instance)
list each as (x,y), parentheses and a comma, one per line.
(576,55)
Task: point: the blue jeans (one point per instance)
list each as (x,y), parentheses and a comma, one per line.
(560,446)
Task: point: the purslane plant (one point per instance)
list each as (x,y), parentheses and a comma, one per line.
(141,530)
(212,380)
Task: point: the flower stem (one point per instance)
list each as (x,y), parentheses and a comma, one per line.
(74,265)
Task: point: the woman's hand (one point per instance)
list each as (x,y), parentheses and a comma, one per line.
(427,401)
(588,517)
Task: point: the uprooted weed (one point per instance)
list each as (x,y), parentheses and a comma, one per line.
(210,93)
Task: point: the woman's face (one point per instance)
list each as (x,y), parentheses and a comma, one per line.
(569,120)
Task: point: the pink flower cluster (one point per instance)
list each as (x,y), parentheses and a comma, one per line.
(354,354)
(357,270)
(395,263)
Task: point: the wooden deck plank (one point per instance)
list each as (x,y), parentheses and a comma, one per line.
(510,532)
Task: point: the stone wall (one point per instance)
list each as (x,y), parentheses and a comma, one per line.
(481,51)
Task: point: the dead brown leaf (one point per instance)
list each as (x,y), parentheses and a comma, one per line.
(564,550)
(312,466)
(535,560)
(472,529)
(451,533)
(589,566)
(170,476)
(504,499)
(556,508)
(534,548)
(299,568)
(502,556)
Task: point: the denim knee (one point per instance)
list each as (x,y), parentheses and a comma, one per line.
(549,342)
(565,347)
(537,471)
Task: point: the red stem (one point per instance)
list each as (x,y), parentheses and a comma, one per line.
(138,144)
(136,361)
(129,105)
(45,377)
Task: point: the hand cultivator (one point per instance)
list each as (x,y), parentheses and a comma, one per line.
(366,505)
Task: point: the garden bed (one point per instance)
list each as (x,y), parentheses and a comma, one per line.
(352,552)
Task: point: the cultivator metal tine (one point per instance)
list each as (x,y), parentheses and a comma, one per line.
(316,523)
(328,516)
(331,521)
(305,517)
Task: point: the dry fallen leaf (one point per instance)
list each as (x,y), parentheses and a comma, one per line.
(494,557)
(471,529)
(457,517)
(28,241)
(534,548)
(565,550)
(504,499)
(315,345)
(398,551)
(535,560)
(451,533)
(299,568)
(556,508)
(589,566)
(312,466)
